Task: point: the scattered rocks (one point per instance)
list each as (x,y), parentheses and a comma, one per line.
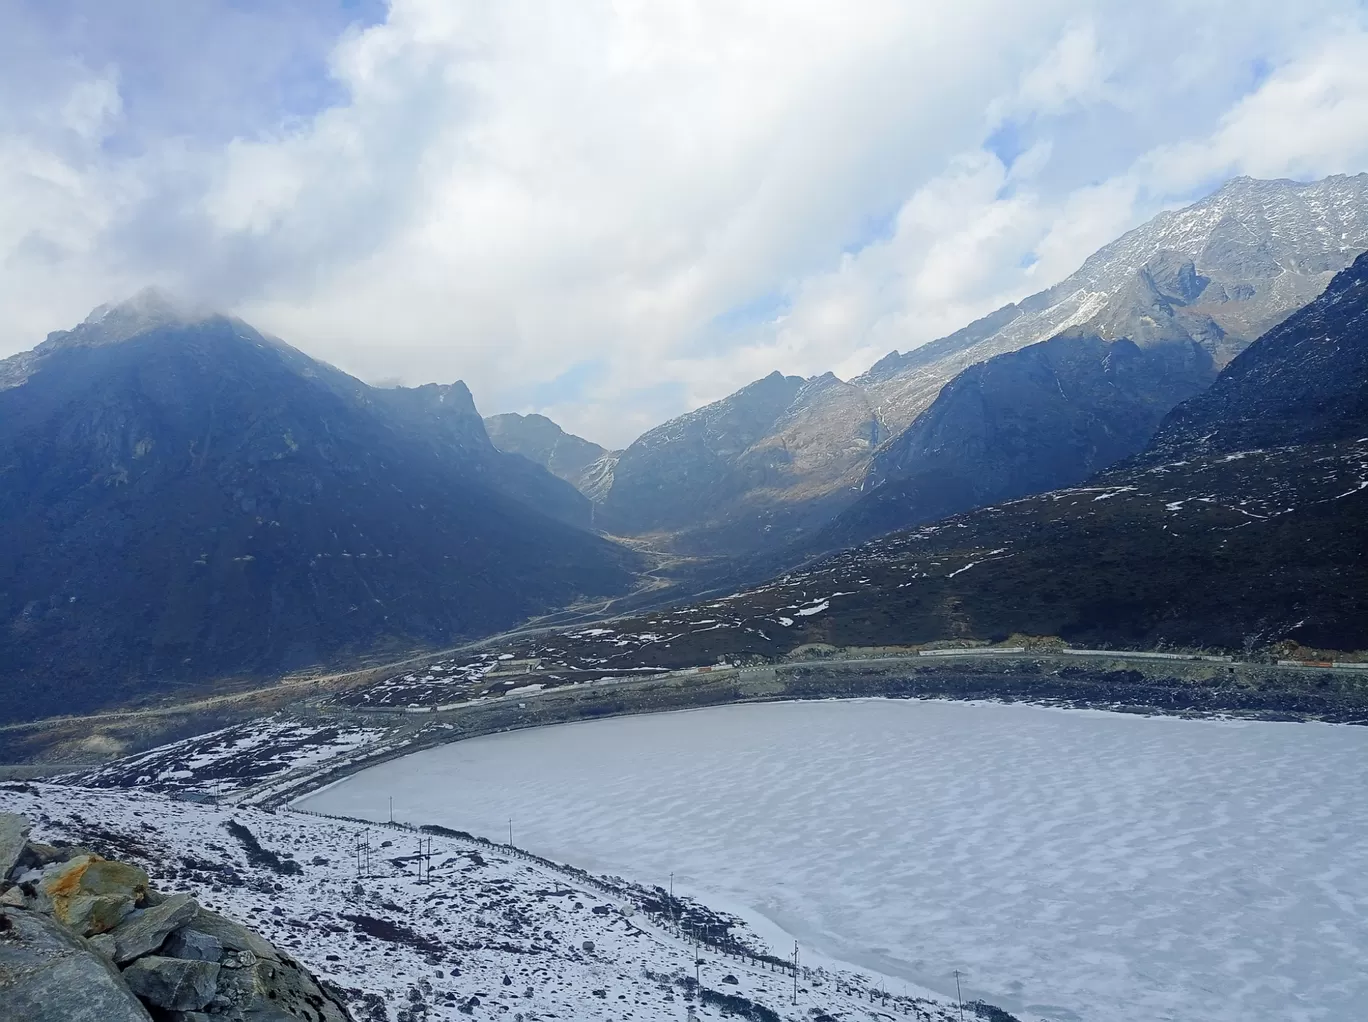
(173,983)
(186,963)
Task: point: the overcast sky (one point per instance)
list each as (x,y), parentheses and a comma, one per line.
(612,212)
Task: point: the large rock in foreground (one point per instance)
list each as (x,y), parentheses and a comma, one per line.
(178,959)
(48,974)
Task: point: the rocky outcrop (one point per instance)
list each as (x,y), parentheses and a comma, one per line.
(48,974)
(14,832)
(85,939)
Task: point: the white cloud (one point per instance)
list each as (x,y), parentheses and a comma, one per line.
(1309,119)
(1073,73)
(602,193)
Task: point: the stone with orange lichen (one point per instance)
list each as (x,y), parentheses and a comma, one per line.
(92,895)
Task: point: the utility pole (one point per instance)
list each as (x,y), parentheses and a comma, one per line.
(391,798)
(959,998)
(510,832)
(795,972)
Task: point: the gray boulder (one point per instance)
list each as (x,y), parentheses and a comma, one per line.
(173,983)
(234,936)
(274,991)
(37,854)
(48,975)
(14,898)
(144,930)
(14,831)
(195,945)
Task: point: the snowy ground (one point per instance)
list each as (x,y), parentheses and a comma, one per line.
(492,935)
(1076,865)
(235,758)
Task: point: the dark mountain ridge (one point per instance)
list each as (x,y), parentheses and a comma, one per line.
(1047,416)
(184,499)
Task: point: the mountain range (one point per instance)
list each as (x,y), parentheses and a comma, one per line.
(1036,395)
(183,498)
(186,501)
(1242,526)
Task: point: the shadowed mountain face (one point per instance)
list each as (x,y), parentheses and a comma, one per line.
(581,463)
(1146,322)
(182,498)
(443,417)
(1303,382)
(1047,416)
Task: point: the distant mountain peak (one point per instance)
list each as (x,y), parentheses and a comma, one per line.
(581,463)
(149,308)
(1265,247)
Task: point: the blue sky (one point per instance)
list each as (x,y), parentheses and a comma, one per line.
(613,212)
(209,71)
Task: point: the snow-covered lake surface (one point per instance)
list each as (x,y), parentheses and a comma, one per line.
(1073,865)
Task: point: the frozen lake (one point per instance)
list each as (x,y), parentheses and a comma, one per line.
(1076,865)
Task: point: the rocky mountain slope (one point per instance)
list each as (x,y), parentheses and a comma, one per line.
(1305,382)
(183,499)
(1221,271)
(464,928)
(1190,289)
(755,469)
(1045,417)
(581,463)
(1243,524)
